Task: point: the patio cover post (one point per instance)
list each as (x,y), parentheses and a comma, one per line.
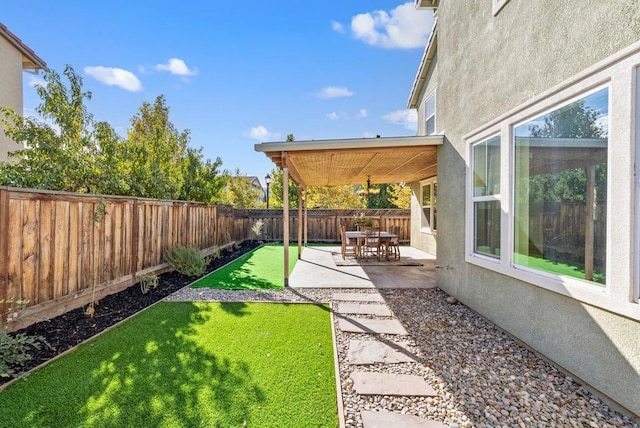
(300,221)
(285,213)
(306,217)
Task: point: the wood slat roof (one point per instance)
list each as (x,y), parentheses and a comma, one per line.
(353,161)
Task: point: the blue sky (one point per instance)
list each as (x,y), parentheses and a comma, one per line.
(236,73)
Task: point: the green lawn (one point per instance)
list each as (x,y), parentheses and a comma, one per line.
(262,268)
(576,271)
(572,270)
(190,365)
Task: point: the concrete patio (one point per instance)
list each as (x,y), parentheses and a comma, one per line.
(318,269)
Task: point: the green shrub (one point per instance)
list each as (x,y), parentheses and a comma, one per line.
(256,229)
(15,350)
(188,261)
(148,282)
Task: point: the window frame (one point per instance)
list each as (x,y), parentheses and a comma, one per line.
(432,95)
(486,198)
(619,294)
(635,292)
(433,182)
(498,5)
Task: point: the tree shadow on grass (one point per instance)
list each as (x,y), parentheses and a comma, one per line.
(150,371)
(238,309)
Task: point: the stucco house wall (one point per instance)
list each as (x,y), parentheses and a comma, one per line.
(10,89)
(421,239)
(490,65)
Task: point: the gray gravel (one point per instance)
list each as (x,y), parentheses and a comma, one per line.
(483,377)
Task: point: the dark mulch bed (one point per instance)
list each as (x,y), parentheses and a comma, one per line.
(74,327)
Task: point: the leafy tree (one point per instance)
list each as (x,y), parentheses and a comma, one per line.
(60,152)
(155,150)
(275,190)
(202,181)
(400,195)
(69,151)
(380,197)
(276,187)
(239,191)
(334,197)
(576,120)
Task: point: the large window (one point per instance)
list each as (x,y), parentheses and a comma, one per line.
(550,197)
(560,189)
(429,206)
(430,115)
(486,197)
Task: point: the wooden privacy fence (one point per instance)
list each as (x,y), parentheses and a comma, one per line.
(57,248)
(323,225)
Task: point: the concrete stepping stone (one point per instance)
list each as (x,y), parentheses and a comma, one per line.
(371,419)
(372,351)
(358,297)
(372,383)
(364,325)
(364,309)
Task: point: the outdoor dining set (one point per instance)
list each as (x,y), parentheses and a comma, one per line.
(368,243)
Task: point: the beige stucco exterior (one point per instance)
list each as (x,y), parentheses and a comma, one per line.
(10,89)
(488,66)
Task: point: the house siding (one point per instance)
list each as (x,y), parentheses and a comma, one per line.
(419,239)
(488,65)
(10,89)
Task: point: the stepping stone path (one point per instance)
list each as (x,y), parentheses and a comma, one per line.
(371,383)
(371,419)
(372,351)
(358,297)
(364,309)
(366,325)
(380,350)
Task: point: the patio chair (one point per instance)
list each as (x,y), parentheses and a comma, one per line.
(372,245)
(348,246)
(394,243)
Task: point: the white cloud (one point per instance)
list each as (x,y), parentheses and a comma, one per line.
(367,134)
(334,92)
(404,28)
(36,80)
(406,118)
(336,26)
(261,133)
(178,67)
(341,115)
(114,77)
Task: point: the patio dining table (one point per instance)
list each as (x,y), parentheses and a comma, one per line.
(383,240)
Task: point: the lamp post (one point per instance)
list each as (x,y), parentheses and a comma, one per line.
(267,179)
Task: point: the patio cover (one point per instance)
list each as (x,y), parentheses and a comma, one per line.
(348,161)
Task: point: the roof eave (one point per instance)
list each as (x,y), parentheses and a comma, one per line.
(351,143)
(30,61)
(423,69)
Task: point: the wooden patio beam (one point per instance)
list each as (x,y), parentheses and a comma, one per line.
(294,173)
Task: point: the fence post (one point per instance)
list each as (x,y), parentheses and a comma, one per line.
(188,225)
(135,235)
(4,252)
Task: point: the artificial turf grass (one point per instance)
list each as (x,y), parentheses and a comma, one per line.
(190,364)
(260,269)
